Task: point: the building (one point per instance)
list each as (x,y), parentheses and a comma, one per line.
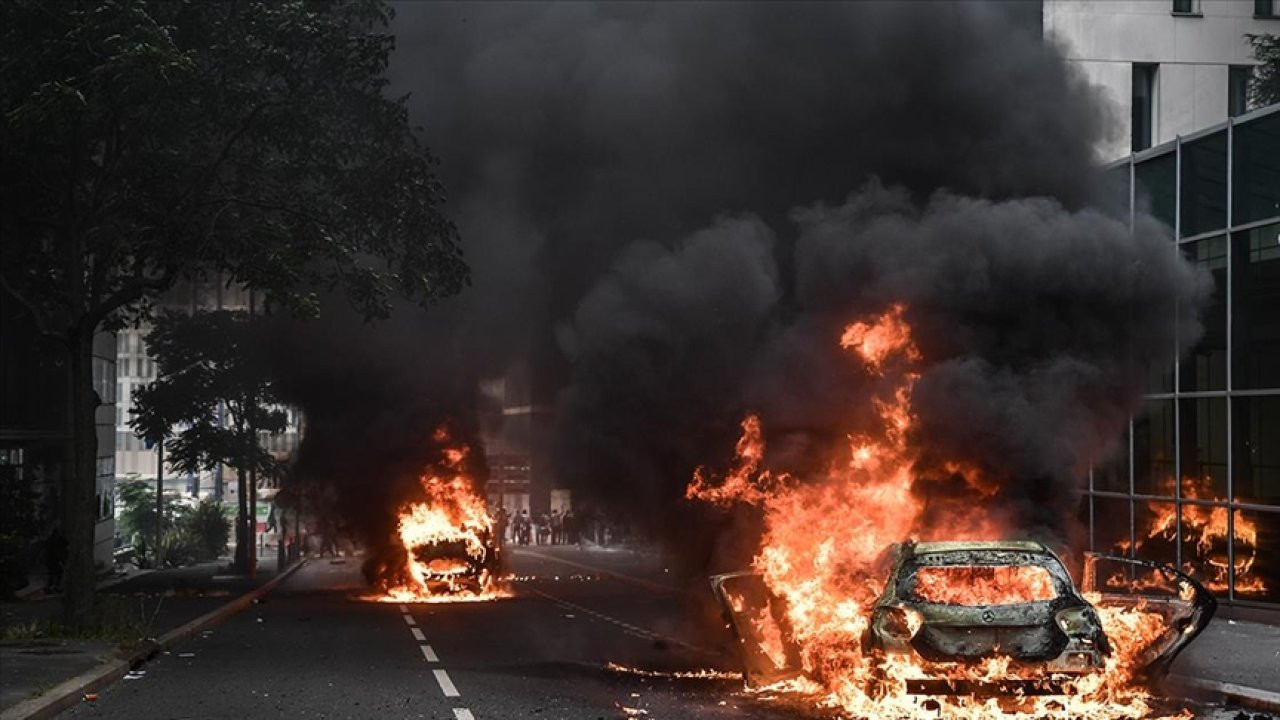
(1171,67)
(133,459)
(1197,482)
(516,428)
(34,423)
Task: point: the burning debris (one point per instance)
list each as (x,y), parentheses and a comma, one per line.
(444,548)
(987,626)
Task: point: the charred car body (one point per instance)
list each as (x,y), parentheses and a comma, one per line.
(455,565)
(950,604)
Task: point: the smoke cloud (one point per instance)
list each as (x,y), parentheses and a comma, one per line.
(670,210)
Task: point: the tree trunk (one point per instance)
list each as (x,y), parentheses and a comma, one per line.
(242,524)
(79,481)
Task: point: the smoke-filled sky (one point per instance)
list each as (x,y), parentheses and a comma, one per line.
(672,208)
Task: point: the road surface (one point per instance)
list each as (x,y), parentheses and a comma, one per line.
(314,649)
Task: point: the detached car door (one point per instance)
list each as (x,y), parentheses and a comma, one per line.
(758,620)
(1185,604)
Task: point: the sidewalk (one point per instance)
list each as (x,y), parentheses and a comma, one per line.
(1233,657)
(153,603)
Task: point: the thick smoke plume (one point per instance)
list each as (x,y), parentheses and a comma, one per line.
(671,209)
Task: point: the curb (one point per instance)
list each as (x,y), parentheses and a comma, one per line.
(639,582)
(70,692)
(1252,698)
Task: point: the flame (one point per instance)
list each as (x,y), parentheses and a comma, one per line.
(984,585)
(1204,531)
(822,554)
(450,514)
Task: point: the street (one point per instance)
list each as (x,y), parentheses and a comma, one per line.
(313,649)
(569,644)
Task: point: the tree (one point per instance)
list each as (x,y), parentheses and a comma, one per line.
(145,142)
(1264,85)
(205,361)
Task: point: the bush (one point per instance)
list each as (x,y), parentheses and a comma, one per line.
(207,528)
(191,533)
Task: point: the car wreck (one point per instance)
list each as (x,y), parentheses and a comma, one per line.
(945,606)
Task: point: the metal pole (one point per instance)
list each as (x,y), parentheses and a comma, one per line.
(250,416)
(159,501)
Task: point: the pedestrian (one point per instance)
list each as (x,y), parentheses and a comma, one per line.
(522,527)
(570,524)
(557,528)
(55,557)
(544,529)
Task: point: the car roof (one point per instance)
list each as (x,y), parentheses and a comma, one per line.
(970,545)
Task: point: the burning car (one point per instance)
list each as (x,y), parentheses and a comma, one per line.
(452,565)
(946,607)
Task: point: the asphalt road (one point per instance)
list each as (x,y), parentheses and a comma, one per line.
(314,649)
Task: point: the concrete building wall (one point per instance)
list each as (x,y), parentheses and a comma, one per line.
(1104,38)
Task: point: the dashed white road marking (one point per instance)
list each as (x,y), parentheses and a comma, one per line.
(429,654)
(404,608)
(417,634)
(446,685)
(463,714)
(409,620)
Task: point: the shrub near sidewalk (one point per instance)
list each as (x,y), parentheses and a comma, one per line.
(191,534)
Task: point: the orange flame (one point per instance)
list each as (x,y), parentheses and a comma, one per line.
(1205,531)
(451,514)
(824,538)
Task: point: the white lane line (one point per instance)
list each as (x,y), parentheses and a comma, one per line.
(446,685)
(429,654)
(409,620)
(417,634)
(404,609)
(463,714)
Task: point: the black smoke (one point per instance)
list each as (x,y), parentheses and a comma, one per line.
(670,208)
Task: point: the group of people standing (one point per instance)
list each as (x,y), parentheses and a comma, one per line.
(554,528)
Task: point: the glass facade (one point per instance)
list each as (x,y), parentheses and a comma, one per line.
(1197,480)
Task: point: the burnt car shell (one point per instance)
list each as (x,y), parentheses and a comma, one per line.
(1045,633)
(456,565)
(1059,633)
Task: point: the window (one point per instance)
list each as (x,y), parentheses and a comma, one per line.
(1205,367)
(1153,448)
(1203,429)
(1264,8)
(1238,89)
(1144,105)
(1256,186)
(1204,184)
(1257,456)
(1185,7)
(1256,295)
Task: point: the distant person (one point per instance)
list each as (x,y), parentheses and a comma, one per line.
(570,524)
(522,527)
(557,528)
(544,529)
(55,558)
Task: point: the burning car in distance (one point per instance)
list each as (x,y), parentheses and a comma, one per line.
(949,609)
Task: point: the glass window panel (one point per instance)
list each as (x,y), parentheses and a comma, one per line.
(1153,449)
(1238,89)
(1156,186)
(1112,473)
(1113,189)
(1204,544)
(1155,526)
(1111,525)
(1257,555)
(1205,367)
(1203,429)
(1255,310)
(1256,169)
(1204,184)
(1256,437)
